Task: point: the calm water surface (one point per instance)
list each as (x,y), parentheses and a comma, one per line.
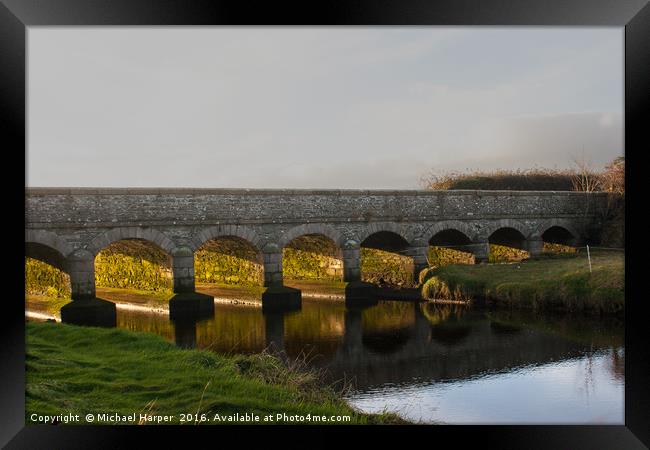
(432,363)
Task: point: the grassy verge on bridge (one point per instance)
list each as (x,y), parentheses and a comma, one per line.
(83,370)
(559,282)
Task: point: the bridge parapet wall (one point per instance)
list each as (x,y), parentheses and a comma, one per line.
(49,207)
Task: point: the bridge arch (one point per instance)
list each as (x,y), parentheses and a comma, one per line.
(449,245)
(46,254)
(310,228)
(47,270)
(514,224)
(508,237)
(47,249)
(546,225)
(400,229)
(122,233)
(455,225)
(132,259)
(238,231)
(387,241)
(312,251)
(387,255)
(559,235)
(50,240)
(227,254)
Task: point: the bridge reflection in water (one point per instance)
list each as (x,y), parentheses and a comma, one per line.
(398,343)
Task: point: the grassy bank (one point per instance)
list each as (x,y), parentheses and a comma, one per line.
(561,282)
(82,370)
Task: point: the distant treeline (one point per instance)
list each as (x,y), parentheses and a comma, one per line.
(581,178)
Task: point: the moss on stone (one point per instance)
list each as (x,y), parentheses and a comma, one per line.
(45,280)
(441,256)
(230,261)
(558,248)
(312,257)
(133,264)
(392,268)
(501,253)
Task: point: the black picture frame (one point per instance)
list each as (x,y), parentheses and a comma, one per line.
(17,15)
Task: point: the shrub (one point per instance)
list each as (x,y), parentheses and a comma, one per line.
(579,178)
(44,279)
(500,253)
(509,180)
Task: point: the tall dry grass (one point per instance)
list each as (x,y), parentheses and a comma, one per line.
(581,177)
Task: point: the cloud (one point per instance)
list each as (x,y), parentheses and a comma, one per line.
(315,107)
(556,140)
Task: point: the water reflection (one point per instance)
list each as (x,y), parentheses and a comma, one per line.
(185,333)
(185,327)
(396,349)
(274,332)
(352,331)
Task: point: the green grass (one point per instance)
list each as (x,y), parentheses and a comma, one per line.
(560,281)
(81,370)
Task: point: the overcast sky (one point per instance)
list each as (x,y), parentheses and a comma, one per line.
(322,107)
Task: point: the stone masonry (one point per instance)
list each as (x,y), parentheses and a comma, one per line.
(79,222)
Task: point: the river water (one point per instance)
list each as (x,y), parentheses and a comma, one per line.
(431,363)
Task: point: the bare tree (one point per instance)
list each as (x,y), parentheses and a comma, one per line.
(614,176)
(585,178)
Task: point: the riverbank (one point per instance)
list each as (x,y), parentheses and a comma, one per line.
(551,282)
(42,307)
(86,370)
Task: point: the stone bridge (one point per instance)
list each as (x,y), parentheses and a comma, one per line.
(67,227)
